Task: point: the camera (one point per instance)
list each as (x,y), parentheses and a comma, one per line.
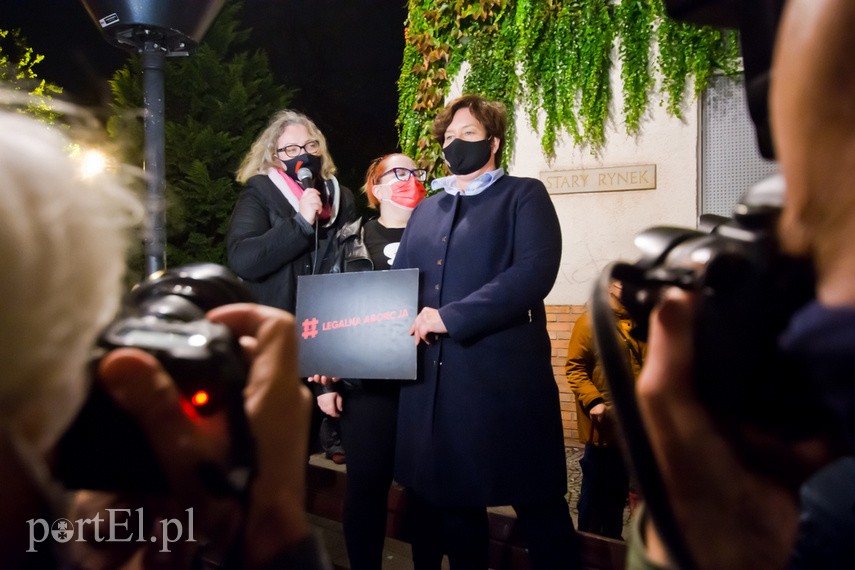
(104,448)
(748,289)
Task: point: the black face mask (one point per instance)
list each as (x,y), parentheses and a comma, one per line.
(305,160)
(465,157)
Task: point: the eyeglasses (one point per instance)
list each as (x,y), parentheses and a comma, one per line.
(402,173)
(292,150)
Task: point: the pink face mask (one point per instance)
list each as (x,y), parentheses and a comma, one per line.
(404,193)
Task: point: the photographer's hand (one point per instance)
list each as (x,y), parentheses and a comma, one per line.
(730,517)
(277,406)
(183,441)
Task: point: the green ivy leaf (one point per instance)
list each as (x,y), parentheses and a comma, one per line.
(554,58)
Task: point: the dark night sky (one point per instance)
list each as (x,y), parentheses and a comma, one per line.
(343,57)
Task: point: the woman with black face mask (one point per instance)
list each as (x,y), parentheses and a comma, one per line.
(286,220)
(273,229)
(482,425)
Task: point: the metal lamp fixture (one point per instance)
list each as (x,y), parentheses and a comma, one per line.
(156,29)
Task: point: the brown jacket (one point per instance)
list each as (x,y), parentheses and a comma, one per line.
(587,380)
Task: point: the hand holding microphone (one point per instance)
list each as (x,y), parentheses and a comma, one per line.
(310,201)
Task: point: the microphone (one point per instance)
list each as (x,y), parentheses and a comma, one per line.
(304,176)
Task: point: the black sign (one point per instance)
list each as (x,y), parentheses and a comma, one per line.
(356,325)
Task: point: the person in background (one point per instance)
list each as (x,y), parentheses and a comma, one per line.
(605,478)
(482,425)
(63,239)
(369,408)
(733,514)
(279,230)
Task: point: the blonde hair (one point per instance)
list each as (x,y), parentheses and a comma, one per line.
(262,154)
(63,240)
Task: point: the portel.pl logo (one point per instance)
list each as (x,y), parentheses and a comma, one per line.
(119,525)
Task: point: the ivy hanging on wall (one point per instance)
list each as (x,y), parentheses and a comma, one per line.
(554,58)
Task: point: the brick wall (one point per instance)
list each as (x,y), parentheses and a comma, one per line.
(559,323)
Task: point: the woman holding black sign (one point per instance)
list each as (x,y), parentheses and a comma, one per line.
(369,408)
(482,425)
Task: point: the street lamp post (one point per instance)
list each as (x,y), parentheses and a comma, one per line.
(154,162)
(156,29)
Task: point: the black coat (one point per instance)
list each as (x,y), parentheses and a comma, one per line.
(270,244)
(482,424)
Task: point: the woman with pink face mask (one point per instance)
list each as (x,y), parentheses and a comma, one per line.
(369,408)
(394,186)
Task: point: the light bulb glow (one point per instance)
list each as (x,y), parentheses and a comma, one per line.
(200,398)
(93,163)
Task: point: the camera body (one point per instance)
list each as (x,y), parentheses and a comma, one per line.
(104,448)
(748,289)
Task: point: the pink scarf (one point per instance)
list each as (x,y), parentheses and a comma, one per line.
(297,191)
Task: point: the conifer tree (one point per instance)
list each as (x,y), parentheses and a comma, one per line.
(217,101)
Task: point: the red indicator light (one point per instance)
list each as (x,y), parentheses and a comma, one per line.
(200,398)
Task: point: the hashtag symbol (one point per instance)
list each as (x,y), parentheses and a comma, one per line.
(310,328)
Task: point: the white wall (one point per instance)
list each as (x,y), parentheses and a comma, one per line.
(599,227)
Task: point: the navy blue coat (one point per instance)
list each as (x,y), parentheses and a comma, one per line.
(482,424)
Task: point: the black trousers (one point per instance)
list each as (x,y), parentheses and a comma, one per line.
(368,423)
(462,533)
(605,486)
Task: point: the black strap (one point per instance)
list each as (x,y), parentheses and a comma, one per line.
(621,382)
